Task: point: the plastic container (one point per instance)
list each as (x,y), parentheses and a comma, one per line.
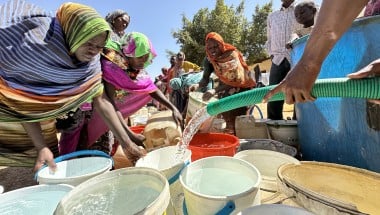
(249,127)
(77,170)
(212,144)
(341,130)
(267,144)
(285,131)
(138,129)
(274,209)
(220,185)
(164,160)
(39,199)
(331,188)
(267,162)
(195,103)
(134,190)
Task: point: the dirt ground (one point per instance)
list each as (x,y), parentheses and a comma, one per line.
(12,178)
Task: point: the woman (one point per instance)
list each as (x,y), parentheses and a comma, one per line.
(48,66)
(228,64)
(130,88)
(118,21)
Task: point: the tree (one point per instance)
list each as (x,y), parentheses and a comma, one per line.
(231,24)
(256,36)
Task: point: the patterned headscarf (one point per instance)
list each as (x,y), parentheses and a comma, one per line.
(234,71)
(224,47)
(136,44)
(79,28)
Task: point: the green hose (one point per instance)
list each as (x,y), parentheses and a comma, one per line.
(368,88)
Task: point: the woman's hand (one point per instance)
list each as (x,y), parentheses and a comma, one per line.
(133,152)
(177,116)
(138,139)
(371,70)
(45,156)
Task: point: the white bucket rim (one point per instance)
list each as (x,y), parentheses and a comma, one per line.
(141,162)
(44,172)
(221,198)
(267,153)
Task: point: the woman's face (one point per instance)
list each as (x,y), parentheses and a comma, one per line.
(213,48)
(138,62)
(121,23)
(91,48)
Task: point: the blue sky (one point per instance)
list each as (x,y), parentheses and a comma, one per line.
(156,18)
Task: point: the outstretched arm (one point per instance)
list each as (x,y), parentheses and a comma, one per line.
(136,138)
(334,18)
(45,156)
(105,108)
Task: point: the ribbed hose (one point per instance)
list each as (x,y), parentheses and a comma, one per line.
(368,88)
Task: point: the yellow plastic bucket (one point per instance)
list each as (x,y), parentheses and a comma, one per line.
(220,184)
(164,160)
(133,190)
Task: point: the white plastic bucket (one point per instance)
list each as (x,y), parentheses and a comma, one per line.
(267,144)
(78,170)
(267,162)
(220,184)
(164,160)
(285,131)
(132,190)
(38,199)
(195,103)
(274,209)
(249,127)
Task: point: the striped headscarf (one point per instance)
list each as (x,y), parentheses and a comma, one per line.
(80,23)
(38,77)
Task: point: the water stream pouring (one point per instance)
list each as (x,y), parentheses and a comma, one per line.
(335,87)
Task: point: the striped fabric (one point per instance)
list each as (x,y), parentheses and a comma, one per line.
(16,148)
(38,78)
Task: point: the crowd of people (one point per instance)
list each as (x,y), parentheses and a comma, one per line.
(85,75)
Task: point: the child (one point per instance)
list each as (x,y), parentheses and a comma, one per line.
(305,13)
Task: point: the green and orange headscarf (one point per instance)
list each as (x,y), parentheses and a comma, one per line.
(79,28)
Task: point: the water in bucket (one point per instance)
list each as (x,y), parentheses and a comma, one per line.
(134,190)
(38,199)
(235,182)
(164,160)
(192,127)
(220,184)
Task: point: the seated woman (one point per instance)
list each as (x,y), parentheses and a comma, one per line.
(234,76)
(129,86)
(49,66)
